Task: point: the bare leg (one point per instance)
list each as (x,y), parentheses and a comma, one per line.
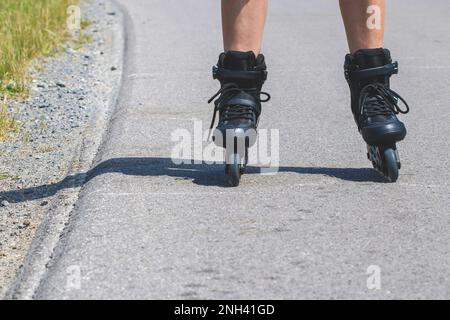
(243,24)
(364,23)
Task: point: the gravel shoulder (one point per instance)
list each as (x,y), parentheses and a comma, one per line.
(62,125)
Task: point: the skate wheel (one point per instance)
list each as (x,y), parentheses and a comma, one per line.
(391,165)
(234,170)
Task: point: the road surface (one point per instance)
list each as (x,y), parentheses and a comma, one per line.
(325,226)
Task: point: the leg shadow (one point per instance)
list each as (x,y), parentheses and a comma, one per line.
(199,173)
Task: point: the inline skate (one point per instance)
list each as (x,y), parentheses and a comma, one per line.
(375,107)
(238,103)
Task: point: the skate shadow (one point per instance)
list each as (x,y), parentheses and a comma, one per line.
(199,173)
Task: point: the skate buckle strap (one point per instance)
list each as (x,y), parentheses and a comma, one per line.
(233,75)
(386,70)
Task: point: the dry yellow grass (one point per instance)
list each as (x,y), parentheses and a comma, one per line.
(28,29)
(7,124)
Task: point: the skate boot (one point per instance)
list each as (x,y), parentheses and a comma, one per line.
(375,107)
(238,102)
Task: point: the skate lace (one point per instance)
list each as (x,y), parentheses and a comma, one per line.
(381,101)
(236,111)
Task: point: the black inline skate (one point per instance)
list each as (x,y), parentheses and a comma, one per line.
(241,75)
(375,107)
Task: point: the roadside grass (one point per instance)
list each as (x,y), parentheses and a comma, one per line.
(3,176)
(7,124)
(30,29)
(7,176)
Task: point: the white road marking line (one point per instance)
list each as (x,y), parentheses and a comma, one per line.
(277,192)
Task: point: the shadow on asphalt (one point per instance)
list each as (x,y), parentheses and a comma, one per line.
(200,174)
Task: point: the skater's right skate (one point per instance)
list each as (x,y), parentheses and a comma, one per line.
(238,102)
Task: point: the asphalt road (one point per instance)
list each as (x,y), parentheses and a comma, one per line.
(321,227)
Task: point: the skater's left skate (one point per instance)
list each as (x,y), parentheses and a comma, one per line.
(375,107)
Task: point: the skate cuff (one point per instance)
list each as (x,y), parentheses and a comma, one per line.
(233,75)
(386,70)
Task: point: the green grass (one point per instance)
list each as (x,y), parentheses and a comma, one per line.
(29,29)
